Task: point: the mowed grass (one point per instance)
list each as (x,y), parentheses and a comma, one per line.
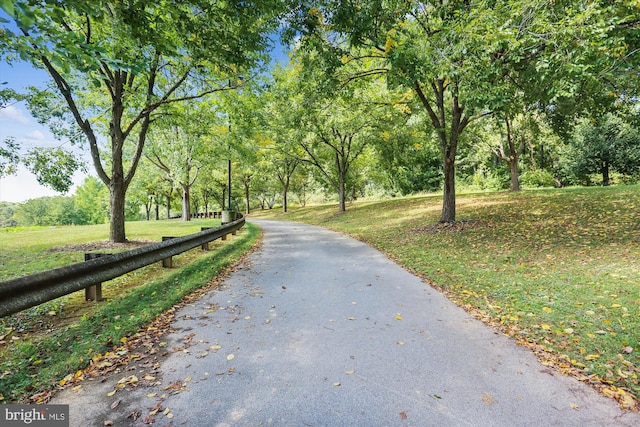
(41,346)
(557,269)
(37,249)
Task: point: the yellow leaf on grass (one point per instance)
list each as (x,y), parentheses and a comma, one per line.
(545,326)
(592,356)
(547,309)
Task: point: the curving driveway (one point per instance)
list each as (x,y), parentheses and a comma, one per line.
(322,330)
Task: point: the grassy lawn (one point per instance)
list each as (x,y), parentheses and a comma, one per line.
(41,346)
(559,270)
(37,249)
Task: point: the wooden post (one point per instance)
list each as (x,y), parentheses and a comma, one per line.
(167,262)
(205,245)
(93,292)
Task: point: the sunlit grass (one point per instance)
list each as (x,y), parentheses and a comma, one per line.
(30,251)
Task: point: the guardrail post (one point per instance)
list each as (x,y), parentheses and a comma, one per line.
(205,245)
(167,262)
(93,292)
(234,217)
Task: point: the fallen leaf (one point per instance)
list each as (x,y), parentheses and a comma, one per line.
(336,384)
(487,398)
(398,317)
(592,356)
(400,342)
(627,350)
(350,372)
(115,404)
(574,406)
(351,318)
(108,423)
(152,394)
(547,309)
(403,415)
(111,393)
(231,357)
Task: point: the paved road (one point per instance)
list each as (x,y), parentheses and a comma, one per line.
(322,330)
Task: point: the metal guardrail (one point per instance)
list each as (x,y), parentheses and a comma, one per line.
(29,291)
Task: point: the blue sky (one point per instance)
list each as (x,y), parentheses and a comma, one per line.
(17,122)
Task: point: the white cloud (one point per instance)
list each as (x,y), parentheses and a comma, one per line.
(36,135)
(13,114)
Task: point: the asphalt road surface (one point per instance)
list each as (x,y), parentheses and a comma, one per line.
(322,330)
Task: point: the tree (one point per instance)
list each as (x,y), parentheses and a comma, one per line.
(115,64)
(604,146)
(456,55)
(182,145)
(92,202)
(281,154)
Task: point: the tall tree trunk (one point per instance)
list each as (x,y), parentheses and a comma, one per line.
(514,155)
(449,196)
(169,204)
(117,192)
(186,203)
(605,174)
(515,176)
(448,142)
(285,189)
(246,196)
(342,184)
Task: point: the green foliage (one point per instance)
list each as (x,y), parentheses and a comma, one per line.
(9,157)
(488,179)
(46,211)
(92,202)
(7,218)
(53,167)
(538,178)
(605,146)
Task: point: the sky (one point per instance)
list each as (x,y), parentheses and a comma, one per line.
(17,122)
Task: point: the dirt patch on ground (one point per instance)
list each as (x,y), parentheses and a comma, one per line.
(452,227)
(102,245)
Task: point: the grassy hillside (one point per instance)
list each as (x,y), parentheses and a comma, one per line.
(559,270)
